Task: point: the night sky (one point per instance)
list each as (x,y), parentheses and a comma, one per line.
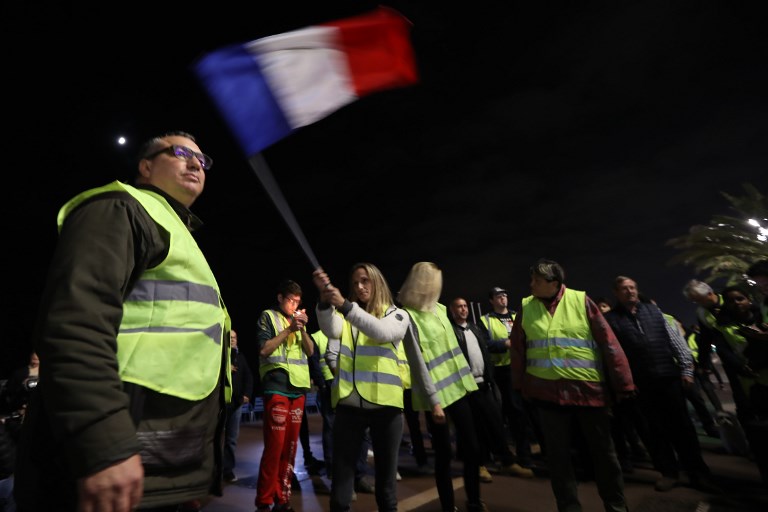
(589,133)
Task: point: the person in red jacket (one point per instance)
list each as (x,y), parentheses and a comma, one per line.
(566,359)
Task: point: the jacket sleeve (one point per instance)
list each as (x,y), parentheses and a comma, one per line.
(388,329)
(517,349)
(247,377)
(103,247)
(615,363)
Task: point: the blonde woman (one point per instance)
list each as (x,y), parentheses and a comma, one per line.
(442,382)
(364,332)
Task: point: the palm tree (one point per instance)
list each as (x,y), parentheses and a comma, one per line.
(728,245)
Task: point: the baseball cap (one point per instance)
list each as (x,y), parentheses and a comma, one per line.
(495,291)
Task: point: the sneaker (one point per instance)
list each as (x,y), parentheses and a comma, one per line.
(516,470)
(665,483)
(230,477)
(485,476)
(364,486)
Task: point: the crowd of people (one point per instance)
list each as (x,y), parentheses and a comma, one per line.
(141,379)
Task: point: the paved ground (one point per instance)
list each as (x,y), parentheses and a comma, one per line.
(738,476)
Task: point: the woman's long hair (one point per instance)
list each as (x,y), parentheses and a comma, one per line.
(381,296)
(422,287)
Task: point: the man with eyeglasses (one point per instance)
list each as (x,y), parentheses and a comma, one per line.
(567,360)
(133,339)
(284,349)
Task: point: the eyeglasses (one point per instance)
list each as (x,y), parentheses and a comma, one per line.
(184,153)
(292,300)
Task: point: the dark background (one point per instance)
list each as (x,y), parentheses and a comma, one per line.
(585,132)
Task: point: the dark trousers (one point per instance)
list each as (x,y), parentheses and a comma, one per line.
(490,426)
(674,444)
(514,412)
(594,423)
(629,429)
(328,414)
(414,429)
(386,430)
(460,415)
(695,397)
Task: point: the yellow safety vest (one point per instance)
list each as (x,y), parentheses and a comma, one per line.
(174,317)
(561,346)
(288,356)
(442,354)
(369,366)
(322,346)
(498,332)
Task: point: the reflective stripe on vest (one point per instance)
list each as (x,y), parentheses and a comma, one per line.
(369,366)
(448,368)
(174,317)
(561,346)
(498,332)
(289,355)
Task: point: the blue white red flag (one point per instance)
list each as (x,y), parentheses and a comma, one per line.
(267,88)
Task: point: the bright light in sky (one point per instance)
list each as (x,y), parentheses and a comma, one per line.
(121,140)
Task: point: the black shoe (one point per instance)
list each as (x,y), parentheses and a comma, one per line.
(230,477)
(315,467)
(295,484)
(364,486)
(310,461)
(665,483)
(712,431)
(705,484)
(477,507)
(627,466)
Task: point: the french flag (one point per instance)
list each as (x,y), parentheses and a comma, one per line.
(267,88)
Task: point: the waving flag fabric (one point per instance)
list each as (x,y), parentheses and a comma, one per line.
(267,88)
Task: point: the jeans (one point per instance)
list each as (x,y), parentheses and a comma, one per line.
(231,433)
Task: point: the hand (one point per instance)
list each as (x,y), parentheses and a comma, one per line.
(752,333)
(438,415)
(117,488)
(299,320)
(329,294)
(687,381)
(321,279)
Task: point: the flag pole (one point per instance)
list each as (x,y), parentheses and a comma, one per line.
(260,167)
